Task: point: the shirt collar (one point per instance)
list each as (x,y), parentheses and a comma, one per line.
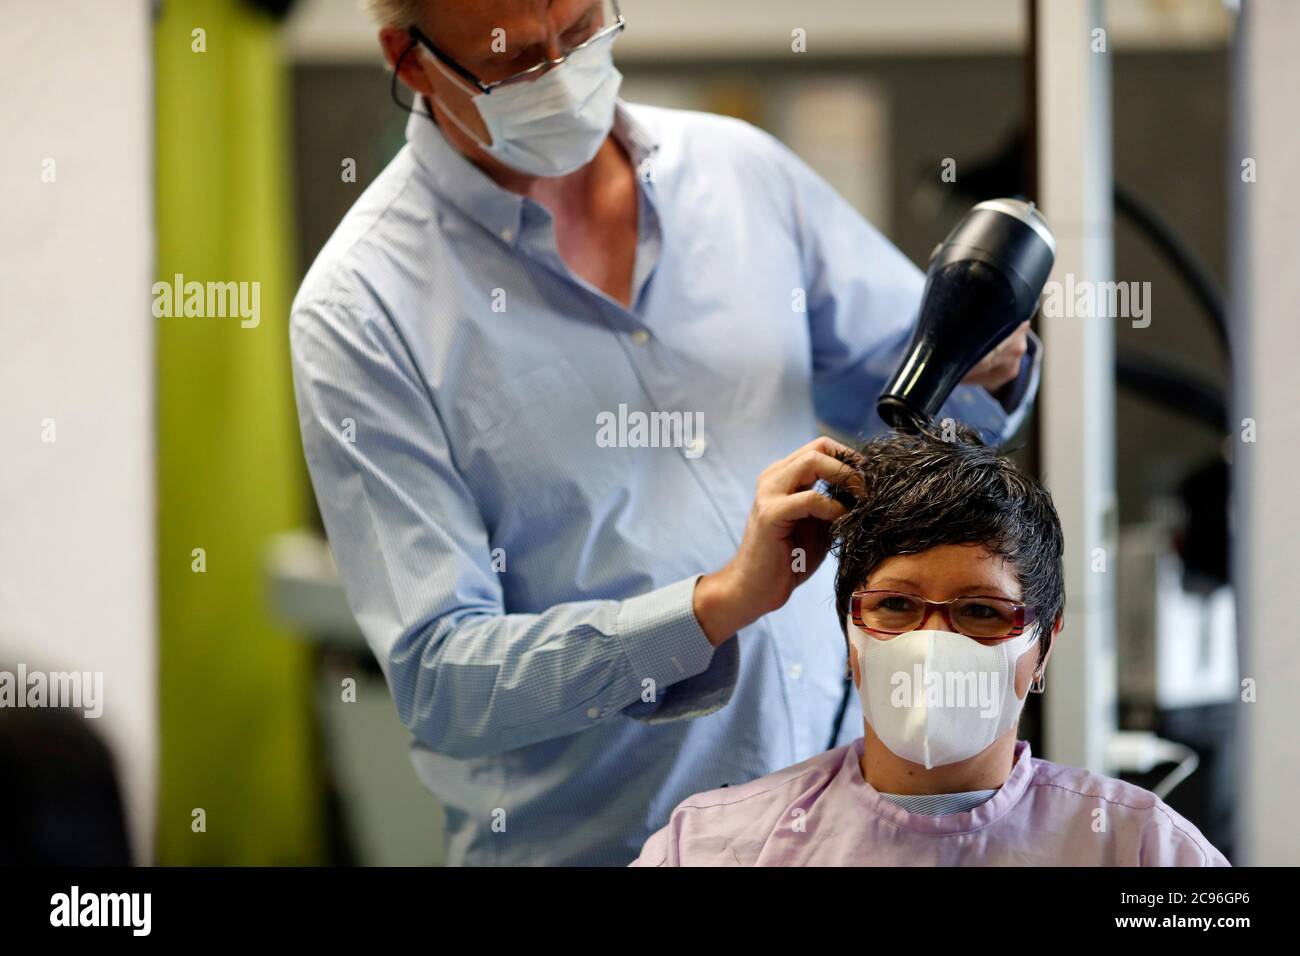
(939,804)
(472,191)
(994,808)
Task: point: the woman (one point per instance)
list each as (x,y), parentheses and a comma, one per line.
(951,595)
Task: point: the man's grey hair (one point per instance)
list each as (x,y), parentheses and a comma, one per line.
(395,13)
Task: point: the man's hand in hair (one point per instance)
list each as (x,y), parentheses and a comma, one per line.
(786,539)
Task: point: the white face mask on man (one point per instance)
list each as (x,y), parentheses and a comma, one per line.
(937,697)
(553,125)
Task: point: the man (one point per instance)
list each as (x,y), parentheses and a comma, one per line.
(950,592)
(583,619)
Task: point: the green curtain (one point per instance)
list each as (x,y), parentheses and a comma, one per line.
(235,695)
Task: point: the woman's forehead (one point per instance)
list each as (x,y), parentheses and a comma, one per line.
(955,567)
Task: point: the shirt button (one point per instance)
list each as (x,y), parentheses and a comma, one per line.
(507,235)
(795,671)
(640,336)
(695,447)
(593,712)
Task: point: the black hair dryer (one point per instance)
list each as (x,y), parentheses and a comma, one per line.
(982,282)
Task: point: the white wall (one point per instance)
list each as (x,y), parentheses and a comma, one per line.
(1266,347)
(338,30)
(77,583)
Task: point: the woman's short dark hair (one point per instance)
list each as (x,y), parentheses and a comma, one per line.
(935,487)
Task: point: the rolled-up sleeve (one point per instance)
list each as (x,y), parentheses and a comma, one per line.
(468,679)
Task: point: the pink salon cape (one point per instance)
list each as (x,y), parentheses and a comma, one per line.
(823,813)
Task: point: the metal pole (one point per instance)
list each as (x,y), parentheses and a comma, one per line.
(1077,402)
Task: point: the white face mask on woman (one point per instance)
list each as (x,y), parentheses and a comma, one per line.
(553,125)
(937,697)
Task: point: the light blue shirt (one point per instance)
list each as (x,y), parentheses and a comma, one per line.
(527,590)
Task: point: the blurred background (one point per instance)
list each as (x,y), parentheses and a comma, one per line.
(166,534)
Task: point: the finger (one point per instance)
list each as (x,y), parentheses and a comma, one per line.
(989,362)
(1005,357)
(1009,359)
(829,446)
(804,504)
(1017,339)
(822,443)
(1005,348)
(1017,351)
(804,470)
(1004,374)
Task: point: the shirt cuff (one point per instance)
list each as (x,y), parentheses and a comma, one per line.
(1017,396)
(661,636)
(665,644)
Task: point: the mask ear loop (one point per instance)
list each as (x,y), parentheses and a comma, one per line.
(392,91)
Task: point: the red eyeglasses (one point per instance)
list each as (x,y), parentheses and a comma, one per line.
(983,618)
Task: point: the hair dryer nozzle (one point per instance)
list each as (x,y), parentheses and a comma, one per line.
(899,415)
(982,282)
